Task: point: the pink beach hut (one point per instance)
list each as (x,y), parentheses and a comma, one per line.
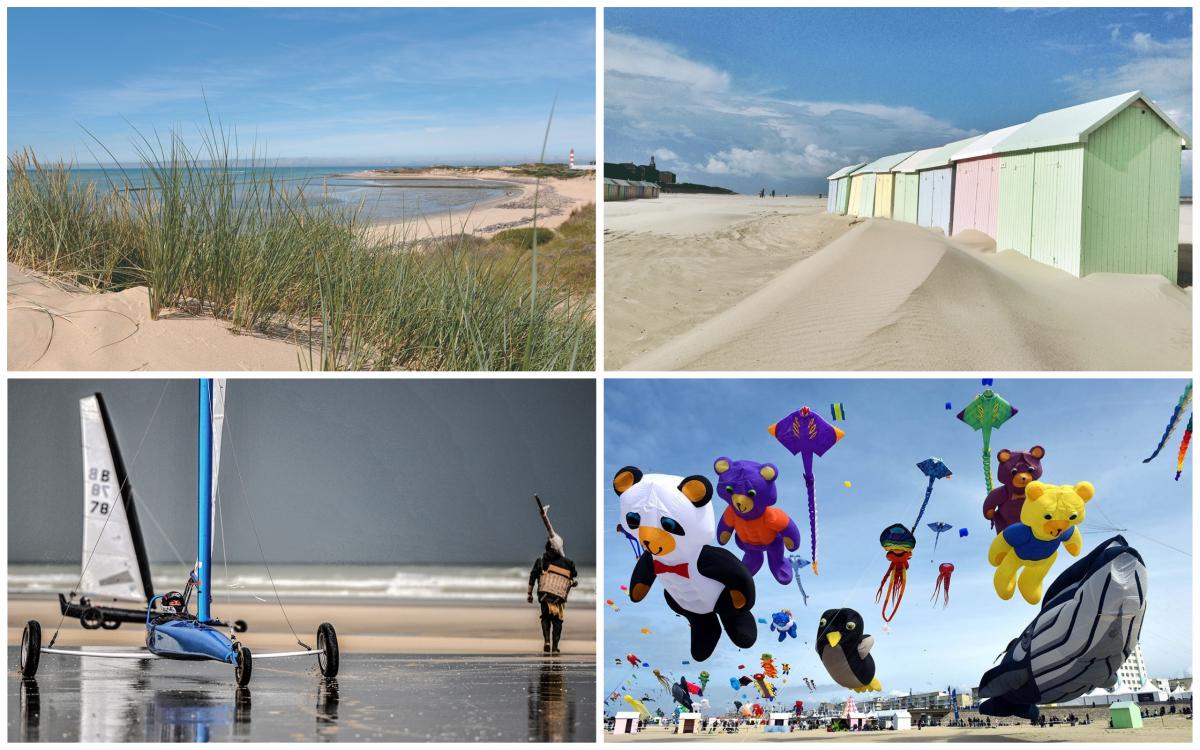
(976,201)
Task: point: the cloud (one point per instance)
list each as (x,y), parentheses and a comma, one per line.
(659,99)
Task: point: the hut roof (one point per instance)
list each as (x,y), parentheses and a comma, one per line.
(885,163)
(845,171)
(940,157)
(985,145)
(910,164)
(1074,124)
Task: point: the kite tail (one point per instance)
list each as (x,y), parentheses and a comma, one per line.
(896,580)
(987,468)
(928,493)
(810,485)
(1176,416)
(802,591)
(1183,447)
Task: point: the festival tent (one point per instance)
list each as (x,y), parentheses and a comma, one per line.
(899,719)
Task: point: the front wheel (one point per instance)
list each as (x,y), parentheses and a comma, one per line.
(110,624)
(31,648)
(245,665)
(327,644)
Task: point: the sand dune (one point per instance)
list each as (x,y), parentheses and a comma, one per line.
(892,296)
(54,326)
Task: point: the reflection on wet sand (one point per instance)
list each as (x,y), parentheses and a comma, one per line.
(376,697)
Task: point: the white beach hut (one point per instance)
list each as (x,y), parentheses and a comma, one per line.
(628,722)
(900,719)
(778,723)
(935,194)
(690,723)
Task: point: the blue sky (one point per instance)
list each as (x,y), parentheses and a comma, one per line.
(783,97)
(1094,430)
(359,85)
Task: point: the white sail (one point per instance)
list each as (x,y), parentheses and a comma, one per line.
(218,424)
(109,551)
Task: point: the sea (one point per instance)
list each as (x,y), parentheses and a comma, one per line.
(491,584)
(377,200)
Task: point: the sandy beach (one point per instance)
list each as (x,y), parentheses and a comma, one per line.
(387,627)
(743,283)
(556,200)
(1166,729)
(57,326)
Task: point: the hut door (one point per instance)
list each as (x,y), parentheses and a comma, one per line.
(1015,225)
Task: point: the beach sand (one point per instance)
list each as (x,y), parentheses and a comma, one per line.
(556,200)
(1166,729)
(57,326)
(387,627)
(375,697)
(743,283)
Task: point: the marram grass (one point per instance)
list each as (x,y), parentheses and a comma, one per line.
(254,253)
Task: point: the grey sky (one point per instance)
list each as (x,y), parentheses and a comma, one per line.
(346,470)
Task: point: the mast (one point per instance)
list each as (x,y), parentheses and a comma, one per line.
(204,503)
(126,490)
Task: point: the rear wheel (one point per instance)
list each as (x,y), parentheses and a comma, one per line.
(245,665)
(31,648)
(91,619)
(240,626)
(110,624)
(327,644)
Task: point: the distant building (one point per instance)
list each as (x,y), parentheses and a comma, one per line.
(1132,674)
(666,178)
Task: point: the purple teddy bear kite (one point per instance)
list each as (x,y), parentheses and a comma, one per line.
(749,488)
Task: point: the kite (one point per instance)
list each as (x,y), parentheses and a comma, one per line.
(1050,517)
(845,650)
(704,676)
(1176,417)
(632,659)
(783,623)
(1183,446)
(837,411)
(765,689)
(898,543)
(935,469)
(645,631)
(751,515)
(768,665)
(847,484)
(637,704)
(798,563)
(937,527)
(1086,628)
(962,532)
(682,693)
(633,542)
(942,585)
(805,432)
(787,668)
(739,682)
(612,606)
(662,680)
(798,707)
(985,413)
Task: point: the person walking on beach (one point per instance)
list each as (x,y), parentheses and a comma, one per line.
(555,575)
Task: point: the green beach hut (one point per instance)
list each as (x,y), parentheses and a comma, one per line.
(1094,188)
(1125,715)
(905,183)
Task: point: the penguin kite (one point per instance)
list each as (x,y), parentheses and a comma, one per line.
(707,585)
(845,650)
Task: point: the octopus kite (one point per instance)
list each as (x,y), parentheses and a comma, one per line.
(942,586)
(898,543)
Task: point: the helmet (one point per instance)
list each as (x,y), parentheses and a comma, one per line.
(172,601)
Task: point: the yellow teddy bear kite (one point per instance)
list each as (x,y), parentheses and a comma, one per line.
(1048,518)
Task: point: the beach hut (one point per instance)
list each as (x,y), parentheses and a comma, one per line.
(977,183)
(778,723)
(905,182)
(1094,188)
(900,720)
(839,189)
(935,191)
(854,196)
(611,191)
(690,723)
(628,722)
(875,195)
(1125,715)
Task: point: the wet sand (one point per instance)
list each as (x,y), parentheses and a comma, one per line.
(1166,729)
(375,697)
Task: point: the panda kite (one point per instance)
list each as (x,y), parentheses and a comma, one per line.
(707,585)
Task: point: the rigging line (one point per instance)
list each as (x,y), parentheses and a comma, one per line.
(224,558)
(167,539)
(107,518)
(254,528)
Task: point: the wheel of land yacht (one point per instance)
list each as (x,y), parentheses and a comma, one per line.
(91,619)
(110,624)
(327,644)
(31,648)
(245,665)
(240,626)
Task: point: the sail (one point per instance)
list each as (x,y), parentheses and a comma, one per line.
(218,423)
(112,542)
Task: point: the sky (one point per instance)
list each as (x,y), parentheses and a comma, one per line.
(344,470)
(781,98)
(1093,430)
(327,85)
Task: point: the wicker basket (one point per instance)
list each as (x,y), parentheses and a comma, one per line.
(555,582)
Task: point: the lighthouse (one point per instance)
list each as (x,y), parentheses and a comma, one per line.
(571,159)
